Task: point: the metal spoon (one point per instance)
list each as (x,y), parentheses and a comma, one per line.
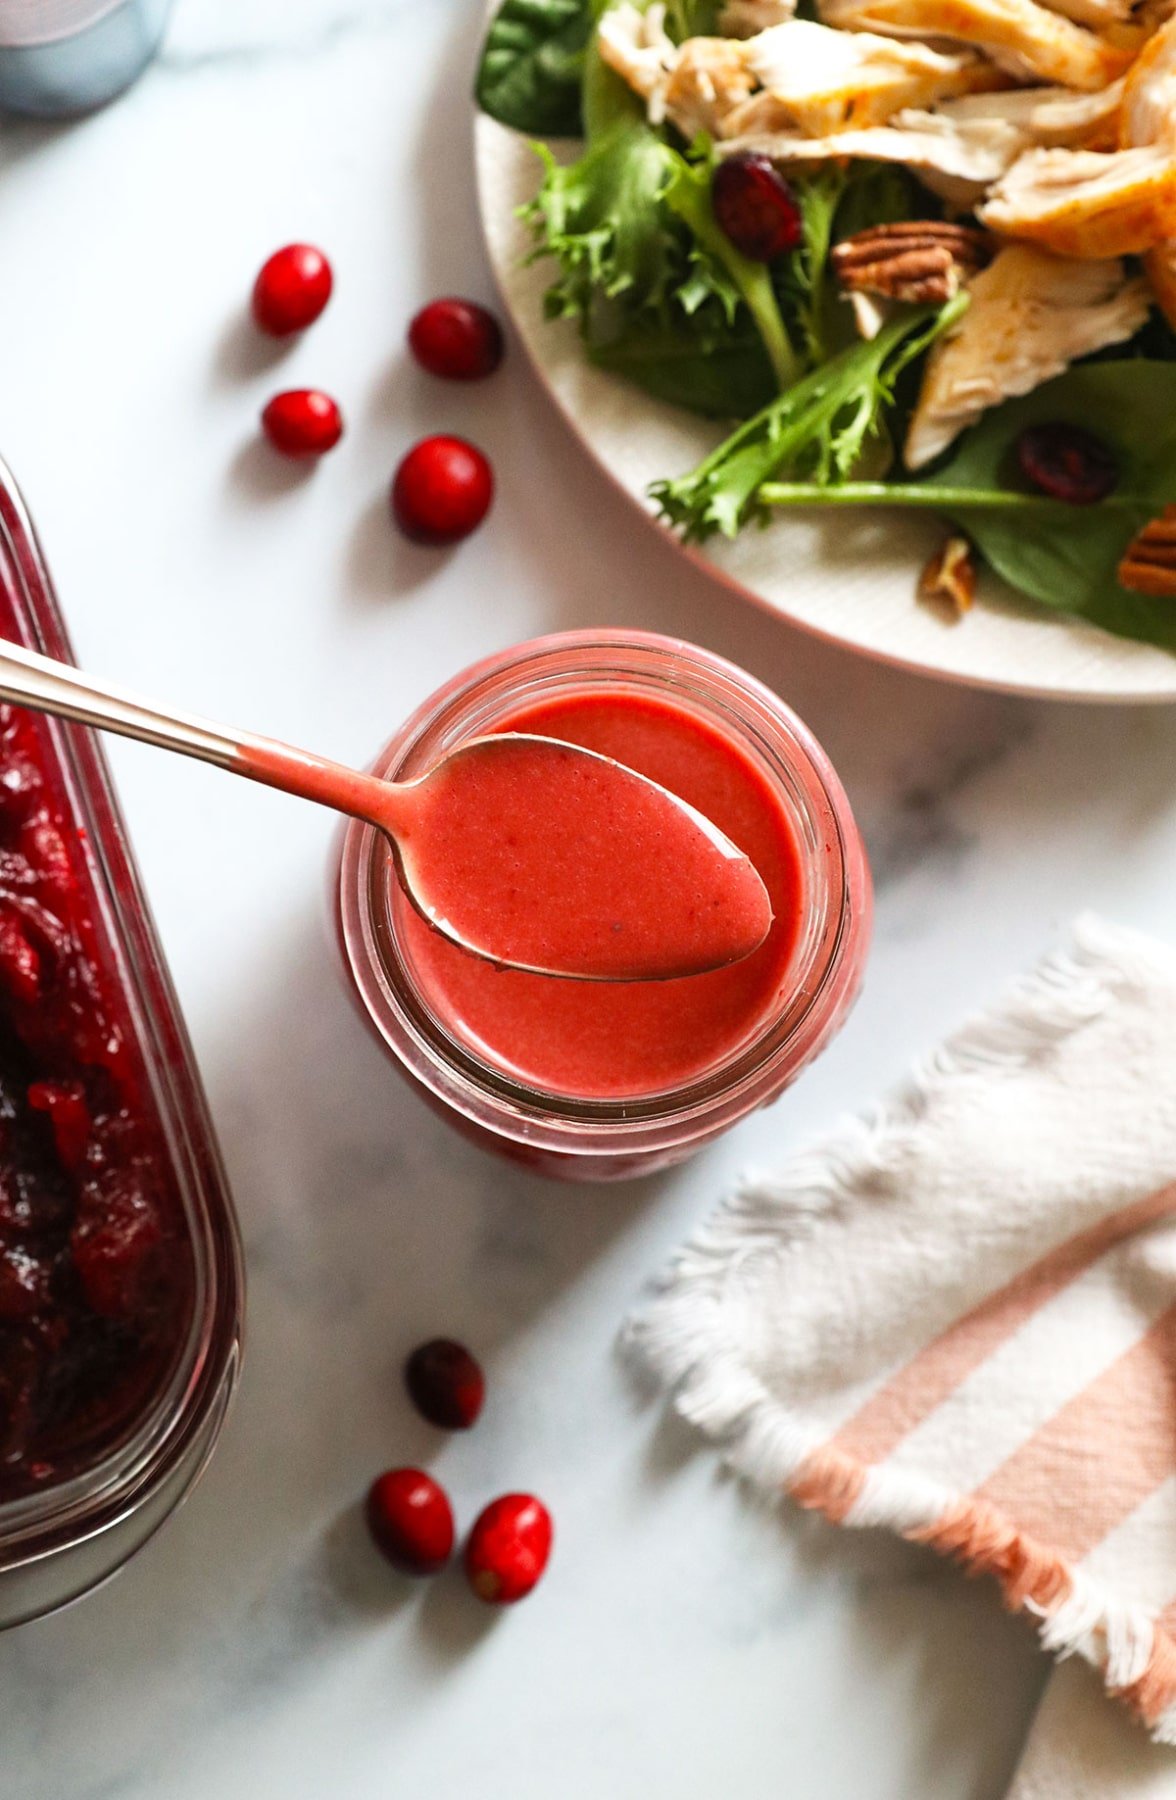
(633,885)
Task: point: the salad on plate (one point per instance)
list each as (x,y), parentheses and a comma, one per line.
(910,253)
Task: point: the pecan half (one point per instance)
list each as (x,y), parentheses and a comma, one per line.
(950,576)
(1149,561)
(920,260)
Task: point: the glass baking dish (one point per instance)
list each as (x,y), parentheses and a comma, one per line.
(68,1522)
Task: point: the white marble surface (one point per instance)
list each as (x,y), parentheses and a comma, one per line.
(683,1644)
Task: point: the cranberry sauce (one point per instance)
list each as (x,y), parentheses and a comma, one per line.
(95,1262)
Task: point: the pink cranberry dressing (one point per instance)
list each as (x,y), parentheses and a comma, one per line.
(610,1040)
(550,859)
(95,1264)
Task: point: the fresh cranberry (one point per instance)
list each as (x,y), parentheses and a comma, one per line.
(442,490)
(69,1115)
(411,1521)
(456,339)
(445,1384)
(755,207)
(302,422)
(1067,462)
(292,289)
(508,1548)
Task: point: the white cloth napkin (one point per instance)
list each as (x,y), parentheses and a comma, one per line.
(1083,1747)
(957,1318)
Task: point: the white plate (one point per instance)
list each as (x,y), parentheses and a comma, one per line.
(847,576)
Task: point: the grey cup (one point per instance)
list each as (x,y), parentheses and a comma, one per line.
(63,57)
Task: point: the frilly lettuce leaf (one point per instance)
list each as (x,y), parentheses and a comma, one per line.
(603,220)
(655,286)
(817,432)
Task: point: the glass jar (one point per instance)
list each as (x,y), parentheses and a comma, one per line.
(64,1537)
(62,57)
(571,1135)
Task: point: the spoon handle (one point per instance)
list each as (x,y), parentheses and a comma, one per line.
(30,679)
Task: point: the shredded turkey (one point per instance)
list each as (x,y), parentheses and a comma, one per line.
(1029,39)
(816,80)
(959,160)
(638,47)
(1086,203)
(1047,116)
(1148,116)
(1151,15)
(966,145)
(707,82)
(1031,314)
(1100,15)
(694,84)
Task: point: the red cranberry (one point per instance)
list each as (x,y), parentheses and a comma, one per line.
(508,1548)
(292,289)
(456,339)
(445,1384)
(302,422)
(442,490)
(755,207)
(1067,462)
(411,1521)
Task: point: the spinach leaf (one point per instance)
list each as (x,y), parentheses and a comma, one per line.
(721,379)
(1065,557)
(532,65)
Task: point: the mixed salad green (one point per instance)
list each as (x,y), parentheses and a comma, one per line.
(664,299)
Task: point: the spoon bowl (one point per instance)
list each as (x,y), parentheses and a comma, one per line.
(584,867)
(530,852)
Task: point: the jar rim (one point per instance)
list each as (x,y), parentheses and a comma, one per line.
(782,747)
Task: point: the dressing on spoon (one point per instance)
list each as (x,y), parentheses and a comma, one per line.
(645,887)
